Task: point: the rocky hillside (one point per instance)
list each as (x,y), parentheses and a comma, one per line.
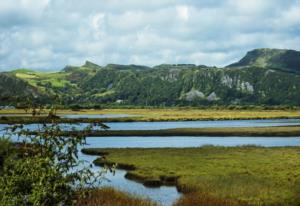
(194,86)
(281,59)
(262,77)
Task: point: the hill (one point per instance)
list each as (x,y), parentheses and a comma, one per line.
(14,90)
(288,60)
(262,77)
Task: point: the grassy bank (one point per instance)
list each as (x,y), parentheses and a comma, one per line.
(247,175)
(284,131)
(43,119)
(183,114)
(111,197)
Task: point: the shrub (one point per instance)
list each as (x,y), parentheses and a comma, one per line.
(44,170)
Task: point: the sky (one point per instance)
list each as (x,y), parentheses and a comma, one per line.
(49,34)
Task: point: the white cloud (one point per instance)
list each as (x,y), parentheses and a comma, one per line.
(212,58)
(289,18)
(99,24)
(183,12)
(250,7)
(48,34)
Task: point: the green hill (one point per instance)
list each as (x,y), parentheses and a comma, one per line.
(262,77)
(282,59)
(194,86)
(14,90)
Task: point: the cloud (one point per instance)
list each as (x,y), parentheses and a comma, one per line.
(19,12)
(183,12)
(49,34)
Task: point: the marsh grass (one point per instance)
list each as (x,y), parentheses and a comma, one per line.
(110,197)
(205,199)
(249,175)
(182,114)
(280,131)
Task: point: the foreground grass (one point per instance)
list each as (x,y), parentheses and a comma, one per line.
(182,114)
(246,175)
(206,199)
(111,197)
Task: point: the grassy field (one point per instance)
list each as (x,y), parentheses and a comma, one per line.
(244,175)
(57,79)
(183,114)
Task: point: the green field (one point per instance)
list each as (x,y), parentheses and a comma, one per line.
(247,175)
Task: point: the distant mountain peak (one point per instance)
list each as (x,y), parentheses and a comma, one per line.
(87,65)
(90,64)
(283,59)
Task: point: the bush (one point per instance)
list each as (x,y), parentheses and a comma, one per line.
(44,169)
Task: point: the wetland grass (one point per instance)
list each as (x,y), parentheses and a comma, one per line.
(244,175)
(278,131)
(166,114)
(111,197)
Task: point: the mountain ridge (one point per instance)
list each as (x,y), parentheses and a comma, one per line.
(242,83)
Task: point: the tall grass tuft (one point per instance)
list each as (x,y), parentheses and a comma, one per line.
(110,197)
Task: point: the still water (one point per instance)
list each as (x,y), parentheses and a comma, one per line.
(181,124)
